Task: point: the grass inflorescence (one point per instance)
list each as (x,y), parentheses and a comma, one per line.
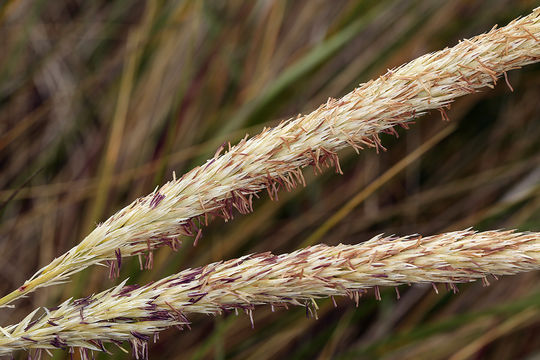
(138,313)
(231,181)
(274,158)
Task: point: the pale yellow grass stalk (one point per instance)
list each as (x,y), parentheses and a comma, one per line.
(137,313)
(274,158)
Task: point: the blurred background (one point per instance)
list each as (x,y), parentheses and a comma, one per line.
(101,100)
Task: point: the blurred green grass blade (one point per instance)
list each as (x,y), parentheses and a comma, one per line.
(213,339)
(422,332)
(251,112)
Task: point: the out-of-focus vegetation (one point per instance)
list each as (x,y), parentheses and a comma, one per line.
(101,100)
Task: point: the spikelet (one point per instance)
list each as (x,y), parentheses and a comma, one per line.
(274,159)
(136,313)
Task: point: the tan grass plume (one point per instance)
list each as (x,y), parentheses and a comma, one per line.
(274,158)
(137,313)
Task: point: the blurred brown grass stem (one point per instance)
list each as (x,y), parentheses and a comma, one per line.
(375,185)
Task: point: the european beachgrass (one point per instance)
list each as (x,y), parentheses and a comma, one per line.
(271,161)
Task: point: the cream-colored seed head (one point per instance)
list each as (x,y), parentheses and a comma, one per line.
(136,313)
(274,158)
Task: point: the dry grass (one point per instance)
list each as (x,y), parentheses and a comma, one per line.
(274,159)
(136,313)
(96,134)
